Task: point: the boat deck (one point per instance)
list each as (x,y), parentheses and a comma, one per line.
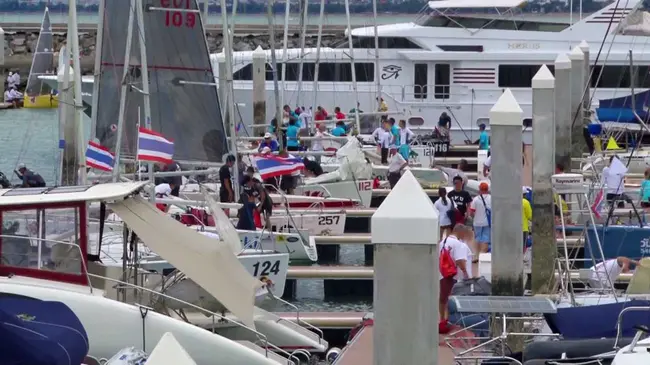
(360,350)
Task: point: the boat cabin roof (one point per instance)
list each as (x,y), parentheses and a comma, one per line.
(474,4)
(65,194)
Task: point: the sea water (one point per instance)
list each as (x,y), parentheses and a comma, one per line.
(31,136)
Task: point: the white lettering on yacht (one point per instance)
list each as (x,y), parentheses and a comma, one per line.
(523,45)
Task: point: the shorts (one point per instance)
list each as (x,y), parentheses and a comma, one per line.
(293,148)
(446,285)
(482,234)
(645,204)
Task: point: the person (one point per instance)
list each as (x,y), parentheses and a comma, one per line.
(526,215)
(461,199)
(445,207)
(269,142)
(16,79)
(339,130)
(487,164)
(293,144)
(176,181)
(604,274)
(460,170)
(12,96)
(321,114)
(317,142)
(304,117)
(395,168)
(338,114)
(385,141)
(613,176)
(265,208)
(289,114)
(382,105)
(460,252)
(480,209)
(405,137)
(164,190)
(483,139)
(29,178)
(287,181)
(357,109)
(10,80)
(226,192)
(273,127)
(444,124)
(644,191)
(312,167)
(245,214)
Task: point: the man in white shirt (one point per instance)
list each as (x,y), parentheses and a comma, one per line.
(397,164)
(163,190)
(10,80)
(613,176)
(385,141)
(481,210)
(305,117)
(317,142)
(16,79)
(604,274)
(462,256)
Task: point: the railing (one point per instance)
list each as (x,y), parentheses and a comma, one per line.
(299,321)
(620,320)
(260,336)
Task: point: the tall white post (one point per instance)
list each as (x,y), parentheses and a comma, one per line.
(78,104)
(563,110)
(506,191)
(144,68)
(578,144)
(97,69)
(303,39)
(545,247)
(123,92)
(353,69)
(259,89)
(404,231)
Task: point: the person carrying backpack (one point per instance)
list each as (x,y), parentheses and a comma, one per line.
(455,265)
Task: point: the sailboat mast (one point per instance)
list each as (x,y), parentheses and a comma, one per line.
(319,39)
(303,36)
(377,70)
(353,70)
(206,12)
(96,71)
(274,66)
(285,47)
(227,50)
(145,82)
(78,115)
(123,91)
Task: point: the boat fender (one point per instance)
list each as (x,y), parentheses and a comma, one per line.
(332,355)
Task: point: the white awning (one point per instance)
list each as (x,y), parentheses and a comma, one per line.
(210,263)
(474,4)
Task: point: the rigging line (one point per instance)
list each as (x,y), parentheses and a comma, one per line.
(602,69)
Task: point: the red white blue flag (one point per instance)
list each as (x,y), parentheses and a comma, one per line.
(99,157)
(273,166)
(154,147)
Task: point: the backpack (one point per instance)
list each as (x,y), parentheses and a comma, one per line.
(447,264)
(488,212)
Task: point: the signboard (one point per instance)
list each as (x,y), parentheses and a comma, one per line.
(439,148)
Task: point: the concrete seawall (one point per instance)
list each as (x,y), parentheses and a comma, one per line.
(20,41)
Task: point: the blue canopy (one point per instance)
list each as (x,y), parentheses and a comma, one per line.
(36,332)
(621,109)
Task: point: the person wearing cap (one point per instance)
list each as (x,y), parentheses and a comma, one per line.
(269,142)
(164,190)
(226,192)
(29,178)
(245,214)
(481,210)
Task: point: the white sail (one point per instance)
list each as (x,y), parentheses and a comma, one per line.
(211,265)
(223,225)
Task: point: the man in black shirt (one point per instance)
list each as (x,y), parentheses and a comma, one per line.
(30,179)
(461,198)
(312,168)
(226,192)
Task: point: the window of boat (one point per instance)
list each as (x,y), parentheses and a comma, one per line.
(474,22)
(333,72)
(518,75)
(68,189)
(619,77)
(384,43)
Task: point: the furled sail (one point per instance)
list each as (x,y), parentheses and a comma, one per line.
(189,113)
(637,23)
(43,59)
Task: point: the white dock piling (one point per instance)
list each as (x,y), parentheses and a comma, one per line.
(506,191)
(578,145)
(259,89)
(405,231)
(563,111)
(544,247)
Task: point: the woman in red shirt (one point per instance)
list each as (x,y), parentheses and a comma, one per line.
(337,113)
(320,114)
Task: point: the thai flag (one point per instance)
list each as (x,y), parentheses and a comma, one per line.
(153,147)
(99,157)
(599,203)
(273,166)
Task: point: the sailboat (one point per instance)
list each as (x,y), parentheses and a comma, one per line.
(39,94)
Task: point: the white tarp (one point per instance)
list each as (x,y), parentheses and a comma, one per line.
(223,225)
(352,165)
(211,265)
(637,23)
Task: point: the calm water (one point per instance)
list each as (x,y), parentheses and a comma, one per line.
(31,136)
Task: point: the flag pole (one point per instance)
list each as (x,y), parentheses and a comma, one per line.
(137,147)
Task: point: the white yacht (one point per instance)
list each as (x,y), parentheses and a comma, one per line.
(457,57)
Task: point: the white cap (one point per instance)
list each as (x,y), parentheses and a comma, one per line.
(10,73)
(265,150)
(21,166)
(267,135)
(257,176)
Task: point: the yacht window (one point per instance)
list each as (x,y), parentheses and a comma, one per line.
(458,48)
(518,75)
(384,42)
(420,80)
(442,81)
(619,77)
(416,121)
(333,72)
(476,22)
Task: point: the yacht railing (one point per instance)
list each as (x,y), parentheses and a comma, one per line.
(299,321)
(260,336)
(620,320)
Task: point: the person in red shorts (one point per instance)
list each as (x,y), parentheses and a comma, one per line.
(462,256)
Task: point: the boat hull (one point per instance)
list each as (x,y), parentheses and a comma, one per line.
(41,101)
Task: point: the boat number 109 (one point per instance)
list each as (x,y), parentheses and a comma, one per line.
(178,18)
(266,268)
(328,220)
